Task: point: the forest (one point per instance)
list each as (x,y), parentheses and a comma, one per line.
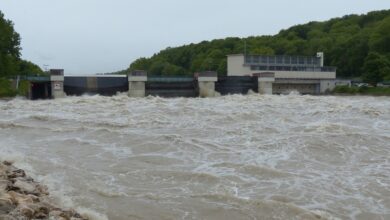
(358,45)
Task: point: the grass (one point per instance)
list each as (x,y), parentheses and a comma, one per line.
(377,91)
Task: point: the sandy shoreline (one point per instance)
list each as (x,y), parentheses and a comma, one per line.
(23,198)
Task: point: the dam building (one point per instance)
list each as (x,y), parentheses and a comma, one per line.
(246,73)
(304,74)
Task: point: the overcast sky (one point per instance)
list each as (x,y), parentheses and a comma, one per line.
(96,36)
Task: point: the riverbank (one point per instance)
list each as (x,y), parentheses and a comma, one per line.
(23,198)
(371,91)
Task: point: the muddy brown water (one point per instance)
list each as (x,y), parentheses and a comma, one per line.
(231,157)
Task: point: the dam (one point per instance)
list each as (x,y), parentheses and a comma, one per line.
(256,73)
(139,84)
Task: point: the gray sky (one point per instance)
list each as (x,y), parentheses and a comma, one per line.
(91,36)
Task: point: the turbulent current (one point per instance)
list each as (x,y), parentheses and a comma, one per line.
(231,157)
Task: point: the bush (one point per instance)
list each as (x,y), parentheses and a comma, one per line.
(24,87)
(6,88)
(345,90)
(364,90)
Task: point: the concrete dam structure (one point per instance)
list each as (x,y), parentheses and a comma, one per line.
(138,84)
(256,73)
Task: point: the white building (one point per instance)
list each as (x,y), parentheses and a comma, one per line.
(307,75)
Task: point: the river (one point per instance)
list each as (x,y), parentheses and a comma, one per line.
(232,157)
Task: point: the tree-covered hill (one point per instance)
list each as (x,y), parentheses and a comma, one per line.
(10,61)
(358,45)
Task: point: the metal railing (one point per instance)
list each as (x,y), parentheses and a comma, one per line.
(170,79)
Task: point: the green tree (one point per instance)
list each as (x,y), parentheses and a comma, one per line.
(380,37)
(376,68)
(9,47)
(346,42)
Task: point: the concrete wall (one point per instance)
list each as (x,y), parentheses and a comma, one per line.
(57,86)
(136,89)
(206,89)
(235,66)
(265,87)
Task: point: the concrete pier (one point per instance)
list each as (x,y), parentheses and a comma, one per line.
(137,80)
(206,83)
(266,81)
(57,83)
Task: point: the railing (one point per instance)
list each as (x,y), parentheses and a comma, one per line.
(169,79)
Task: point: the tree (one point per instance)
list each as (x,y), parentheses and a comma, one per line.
(380,38)
(10,62)
(376,68)
(29,68)
(9,47)
(346,42)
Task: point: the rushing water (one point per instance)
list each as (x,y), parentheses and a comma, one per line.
(232,157)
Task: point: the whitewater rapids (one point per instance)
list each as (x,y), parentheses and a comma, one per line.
(232,157)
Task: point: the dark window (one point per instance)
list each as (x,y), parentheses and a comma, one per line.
(279,68)
(255,59)
(271,59)
(248,59)
(263,68)
(264,59)
(272,68)
(301,60)
(287,60)
(279,60)
(294,60)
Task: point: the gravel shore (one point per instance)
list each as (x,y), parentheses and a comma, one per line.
(22,198)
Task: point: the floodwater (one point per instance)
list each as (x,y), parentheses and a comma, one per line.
(232,157)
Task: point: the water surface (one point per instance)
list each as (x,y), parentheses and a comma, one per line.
(231,157)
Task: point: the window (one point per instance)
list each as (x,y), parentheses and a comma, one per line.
(294,60)
(263,68)
(271,59)
(248,59)
(255,59)
(264,59)
(279,60)
(287,60)
(279,68)
(301,60)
